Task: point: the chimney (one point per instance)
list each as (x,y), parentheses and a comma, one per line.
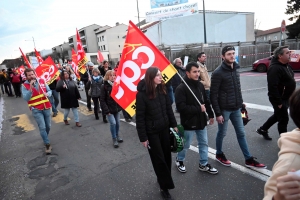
(117,24)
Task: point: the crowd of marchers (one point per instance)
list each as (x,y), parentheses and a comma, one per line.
(200,100)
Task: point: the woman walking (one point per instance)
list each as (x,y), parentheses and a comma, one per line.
(69,96)
(154,117)
(95,83)
(110,108)
(16,82)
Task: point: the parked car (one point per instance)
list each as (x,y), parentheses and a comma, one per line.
(263,64)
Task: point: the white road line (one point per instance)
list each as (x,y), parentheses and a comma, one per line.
(262,174)
(259,107)
(1,114)
(254,89)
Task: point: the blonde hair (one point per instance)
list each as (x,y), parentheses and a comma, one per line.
(96,70)
(109,72)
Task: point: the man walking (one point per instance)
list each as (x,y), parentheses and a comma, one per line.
(85,78)
(193,117)
(204,77)
(227,101)
(281,85)
(36,93)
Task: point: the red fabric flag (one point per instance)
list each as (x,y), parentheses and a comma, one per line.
(100,56)
(47,71)
(38,56)
(75,63)
(139,53)
(21,70)
(26,60)
(80,55)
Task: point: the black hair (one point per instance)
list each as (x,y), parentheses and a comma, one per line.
(190,65)
(200,54)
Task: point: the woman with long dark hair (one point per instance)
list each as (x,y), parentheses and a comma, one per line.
(154,117)
(69,96)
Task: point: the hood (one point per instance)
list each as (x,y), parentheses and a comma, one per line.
(275,61)
(289,142)
(141,87)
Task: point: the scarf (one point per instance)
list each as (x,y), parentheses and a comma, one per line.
(96,78)
(110,83)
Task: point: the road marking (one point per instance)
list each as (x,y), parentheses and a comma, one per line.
(59,118)
(259,107)
(84,110)
(1,114)
(23,121)
(254,89)
(262,174)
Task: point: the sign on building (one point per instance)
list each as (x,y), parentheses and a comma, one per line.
(172,12)
(164,3)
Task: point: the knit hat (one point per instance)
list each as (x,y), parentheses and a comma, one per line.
(89,64)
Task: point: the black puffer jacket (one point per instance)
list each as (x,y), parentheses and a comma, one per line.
(281,82)
(191,116)
(85,78)
(152,115)
(108,104)
(225,90)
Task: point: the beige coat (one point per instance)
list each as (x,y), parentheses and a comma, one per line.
(205,79)
(288,159)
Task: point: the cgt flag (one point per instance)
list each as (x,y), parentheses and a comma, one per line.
(81,58)
(25,59)
(21,70)
(75,64)
(100,56)
(47,71)
(38,56)
(139,53)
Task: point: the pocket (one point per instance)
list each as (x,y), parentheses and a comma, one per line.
(191,121)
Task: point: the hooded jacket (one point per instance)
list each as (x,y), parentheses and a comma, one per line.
(152,115)
(225,90)
(281,82)
(288,159)
(191,115)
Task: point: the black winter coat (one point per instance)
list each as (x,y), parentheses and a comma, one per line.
(152,115)
(52,86)
(68,97)
(281,82)
(108,104)
(191,115)
(85,78)
(176,80)
(102,71)
(225,90)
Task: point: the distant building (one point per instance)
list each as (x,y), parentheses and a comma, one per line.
(271,34)
(221,26)
(61,52)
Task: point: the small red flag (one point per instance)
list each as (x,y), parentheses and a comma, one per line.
(80,55)
(21,70)
(38,56)
(100,56)
(75,64)
(26,60)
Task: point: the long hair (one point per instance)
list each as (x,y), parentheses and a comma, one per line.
(62,75)
(150,85)
(107,74)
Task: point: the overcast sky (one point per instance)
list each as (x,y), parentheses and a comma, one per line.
(51,22)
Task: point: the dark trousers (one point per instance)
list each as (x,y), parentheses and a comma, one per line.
(17,89)
(160,154)
(96,101)
(280,115)
(88,98)
(7,87)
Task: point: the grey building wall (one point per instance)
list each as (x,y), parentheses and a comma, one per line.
(271,36)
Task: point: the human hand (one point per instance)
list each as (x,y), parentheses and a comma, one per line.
(46,95)
(203,109)
(175,129)
(145,144)
(280,106)
(220,119)
(288,187)
(211,121)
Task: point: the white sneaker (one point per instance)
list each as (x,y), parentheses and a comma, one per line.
(180,166)
(208,168)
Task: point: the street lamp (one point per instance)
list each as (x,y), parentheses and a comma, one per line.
(33,41)
(137,6)
(204,24)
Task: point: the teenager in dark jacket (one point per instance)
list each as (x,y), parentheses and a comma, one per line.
(69,96)
(154,117)
(85,78)
(281,85)
(105,67)
(193,117)
(227,101)
(110,108)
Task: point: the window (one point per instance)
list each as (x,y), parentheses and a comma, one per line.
(99,39)
(94,59)
(119,46)
(102,37)
(275,37)
(265,38)
(103,47)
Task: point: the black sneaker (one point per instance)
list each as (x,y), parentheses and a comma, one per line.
(208,168)
(165,194)
(223,160)
(253,163)
(263,133)
(180,166)
(127,119)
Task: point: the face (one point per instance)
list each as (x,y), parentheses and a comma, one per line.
(158,78)
(194,73)
(91,67)
(285,57)
(30,76)
(202,59)
(67,68)
(178,62)
(229,57)
(95,73)
(66,75)
(106,65)
(112,77)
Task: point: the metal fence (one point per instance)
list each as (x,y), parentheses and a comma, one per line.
(248,52)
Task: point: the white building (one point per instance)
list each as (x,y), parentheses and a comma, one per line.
(111,41)
(221,26)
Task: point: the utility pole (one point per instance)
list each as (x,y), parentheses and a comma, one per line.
(137,4)
(204,23)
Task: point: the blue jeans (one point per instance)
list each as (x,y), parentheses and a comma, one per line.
(202,145)
(43,119)
(75,113)
(114,120)
(170,94)
(237,122)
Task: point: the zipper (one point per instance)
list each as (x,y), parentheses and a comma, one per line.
(233,80)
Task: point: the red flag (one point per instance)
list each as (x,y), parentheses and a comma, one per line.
(75,64)
(21,70)
(139,53)
(47,71)
(80,55)
(100,56)
(26,60)
(38,56)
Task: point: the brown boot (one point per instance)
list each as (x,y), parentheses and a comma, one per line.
(66,122)
(78,124)
(48,148)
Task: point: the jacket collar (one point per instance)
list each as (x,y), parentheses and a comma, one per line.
(225,66)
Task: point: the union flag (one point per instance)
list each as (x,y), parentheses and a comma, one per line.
(100,56)
(138,54)
(21,70)
(38,56)
(75,64)
(25,59)
(81,57)
(47,71)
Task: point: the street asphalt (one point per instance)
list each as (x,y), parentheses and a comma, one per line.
(85,165)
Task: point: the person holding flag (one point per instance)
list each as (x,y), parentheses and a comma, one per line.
(36,92)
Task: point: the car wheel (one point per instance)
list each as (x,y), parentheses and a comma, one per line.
(261,68)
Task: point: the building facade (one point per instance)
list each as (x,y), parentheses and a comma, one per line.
(273,34)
